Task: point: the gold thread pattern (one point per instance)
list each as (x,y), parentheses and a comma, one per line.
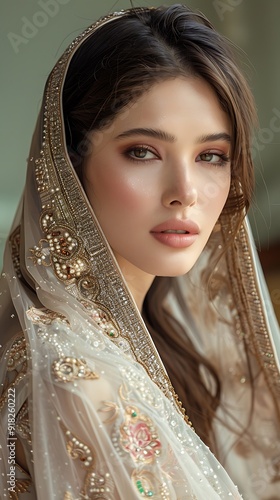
(16,357)
(17,353)
(96,485)
(251,317)
(15,246)
(23,424)
(68,369)
(68,496)
(44,316)
(22,486)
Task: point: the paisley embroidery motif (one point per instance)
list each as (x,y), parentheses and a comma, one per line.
(17,353)
(39,253)
(96,485)
(68,369)
(64,251)
(148,485)
(16,357)
(63,248)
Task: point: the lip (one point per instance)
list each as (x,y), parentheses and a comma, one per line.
(176,240)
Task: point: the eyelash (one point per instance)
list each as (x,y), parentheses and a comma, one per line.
(145,149)
(222,162)
(223,158)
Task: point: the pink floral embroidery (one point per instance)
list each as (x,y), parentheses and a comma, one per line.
(138,436)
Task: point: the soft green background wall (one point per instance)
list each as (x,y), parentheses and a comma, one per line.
(25,63)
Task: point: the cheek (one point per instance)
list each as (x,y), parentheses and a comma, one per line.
(215,190)
(118,191)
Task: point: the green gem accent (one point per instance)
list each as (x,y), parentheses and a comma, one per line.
(140,487)
(112,333)
(149,494)
(134,414)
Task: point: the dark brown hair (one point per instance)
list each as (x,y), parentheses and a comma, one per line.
(112,68)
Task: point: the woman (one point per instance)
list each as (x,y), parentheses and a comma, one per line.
(139,167)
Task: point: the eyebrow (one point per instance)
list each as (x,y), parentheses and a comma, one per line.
(165,136)
(214,137)
(150,132)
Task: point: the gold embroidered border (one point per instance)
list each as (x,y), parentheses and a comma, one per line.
(251,315)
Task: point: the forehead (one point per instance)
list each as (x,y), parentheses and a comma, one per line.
(179,102)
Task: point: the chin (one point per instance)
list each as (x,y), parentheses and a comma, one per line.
(173,271)
(174,274)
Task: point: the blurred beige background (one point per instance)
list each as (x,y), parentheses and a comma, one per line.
(33,35)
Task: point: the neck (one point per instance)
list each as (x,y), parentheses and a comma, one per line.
(137,280)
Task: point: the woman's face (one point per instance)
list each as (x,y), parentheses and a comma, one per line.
(159,175)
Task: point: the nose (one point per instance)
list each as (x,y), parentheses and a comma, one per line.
(180,188)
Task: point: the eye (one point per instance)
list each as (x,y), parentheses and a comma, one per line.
(219,159)
(141,153)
